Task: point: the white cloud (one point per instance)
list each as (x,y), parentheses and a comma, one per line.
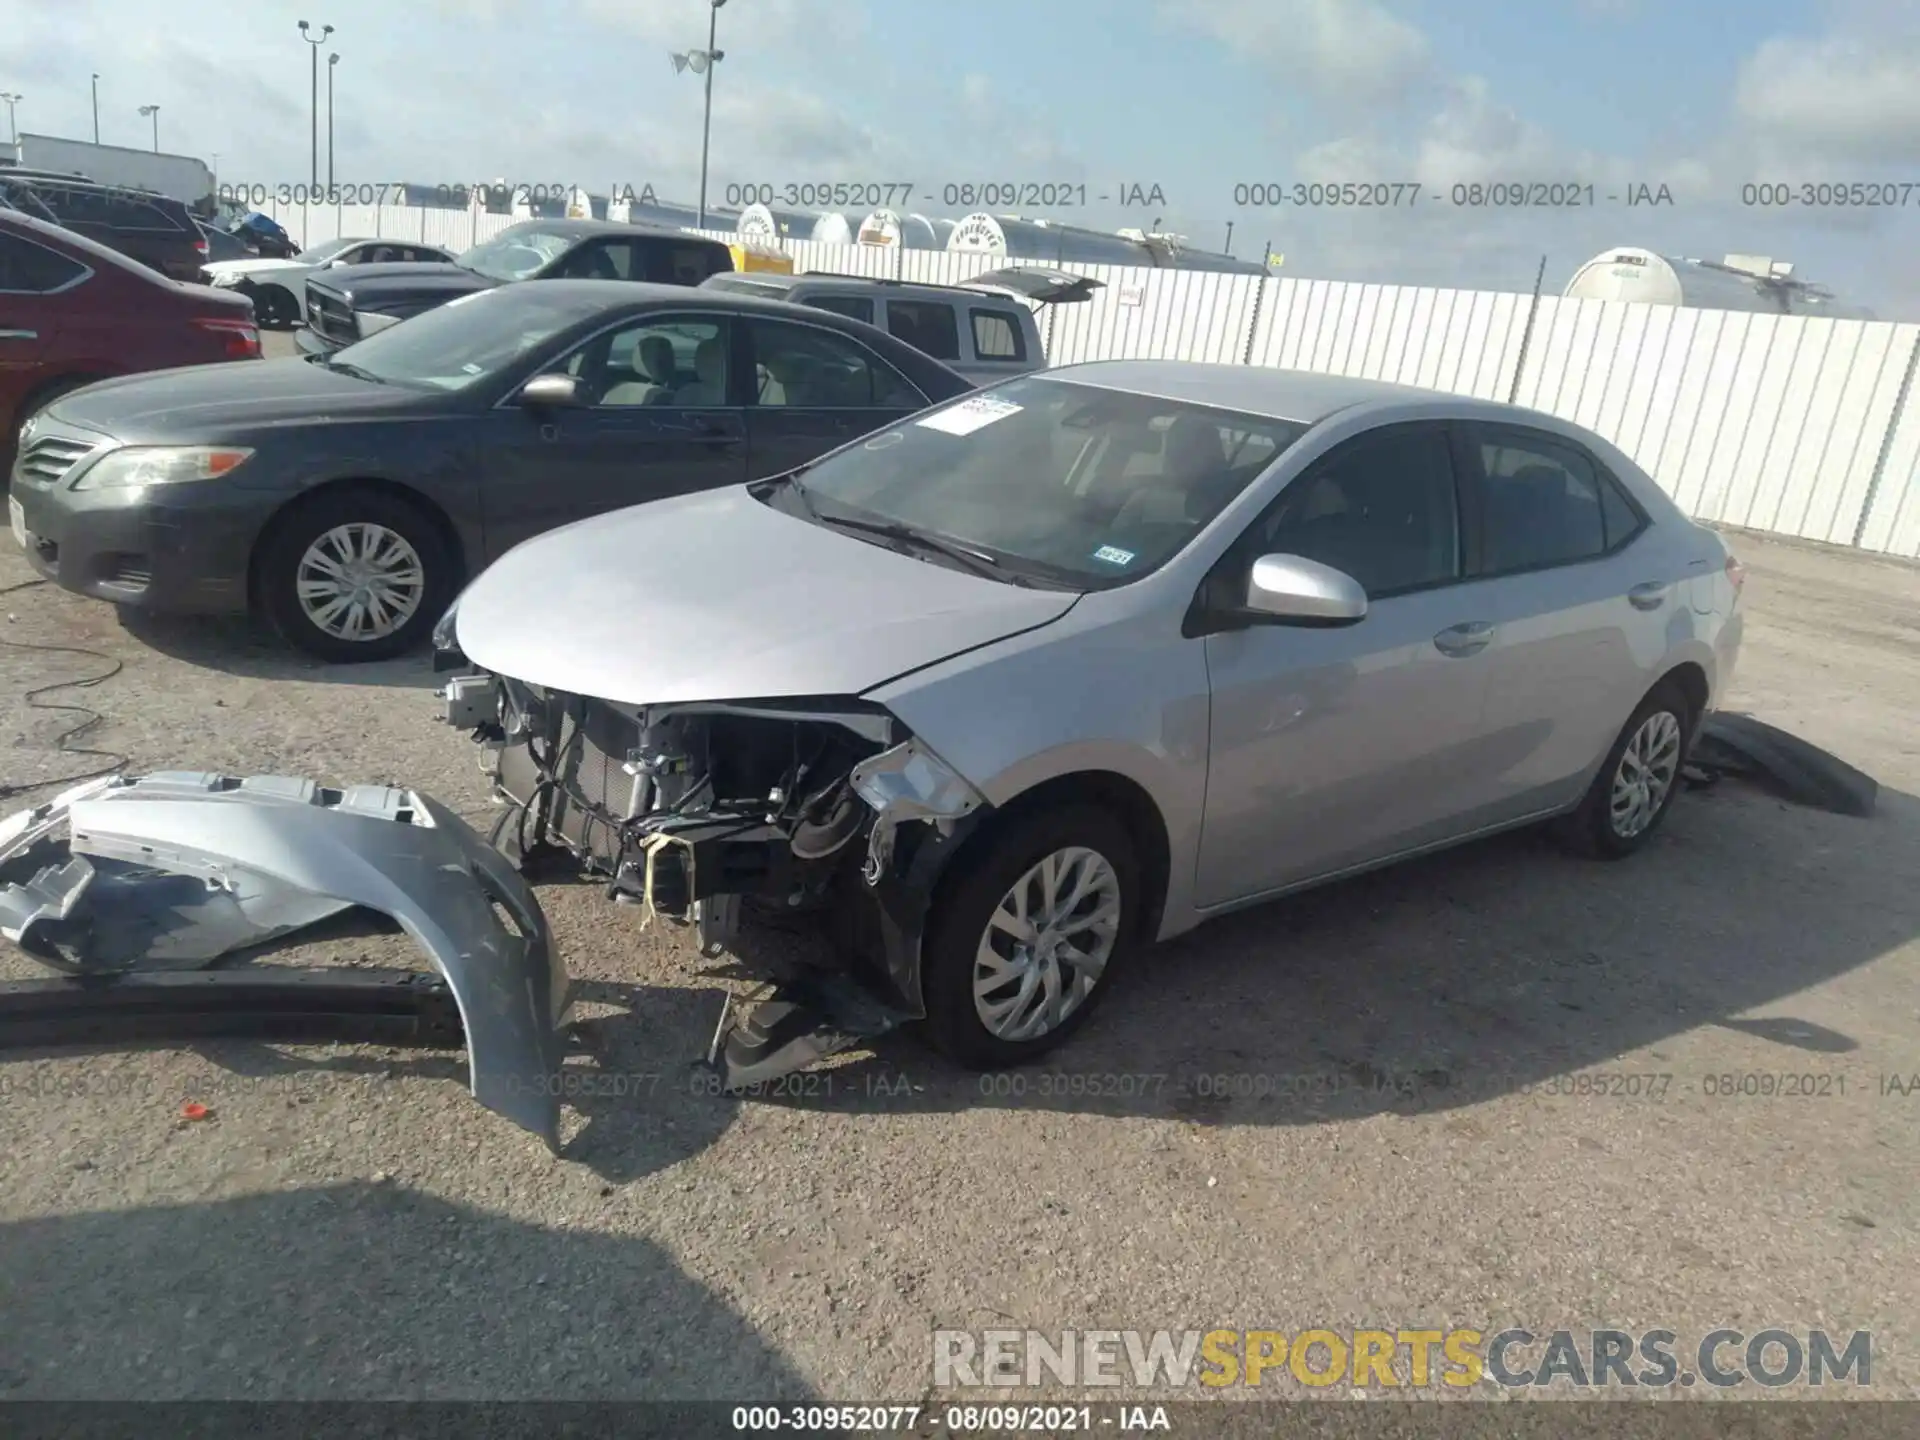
(1842,97)
(1352,52)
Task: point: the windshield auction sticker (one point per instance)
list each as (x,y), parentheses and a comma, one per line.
(970,415)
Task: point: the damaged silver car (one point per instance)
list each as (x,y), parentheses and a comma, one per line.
(123,882)
(1020,684)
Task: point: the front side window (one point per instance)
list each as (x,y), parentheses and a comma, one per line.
(676,360)
(854,307)
(798,366)
(1543,503)
(1083,485)
(1381,508)
(320,254)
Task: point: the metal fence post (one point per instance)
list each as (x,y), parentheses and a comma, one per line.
(1526,335)
(1259,299)
(1886,444)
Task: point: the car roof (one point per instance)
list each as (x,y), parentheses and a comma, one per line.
(827,280)
(583,228)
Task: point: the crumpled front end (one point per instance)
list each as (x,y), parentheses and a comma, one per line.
(177,870)
(734,816)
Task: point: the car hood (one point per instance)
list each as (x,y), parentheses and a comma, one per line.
(717,596)
(222,269)
(370,284)
(198,402)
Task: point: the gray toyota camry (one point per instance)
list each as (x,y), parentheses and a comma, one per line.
(1021,683)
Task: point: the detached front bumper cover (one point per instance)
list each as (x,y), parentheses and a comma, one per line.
(176,869)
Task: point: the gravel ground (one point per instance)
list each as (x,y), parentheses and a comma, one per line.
(349,1223)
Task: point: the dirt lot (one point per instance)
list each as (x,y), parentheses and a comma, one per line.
(350,1223)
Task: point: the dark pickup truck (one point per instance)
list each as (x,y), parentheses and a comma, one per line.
(349,305)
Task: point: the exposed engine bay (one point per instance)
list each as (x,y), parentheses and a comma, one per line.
(729,814)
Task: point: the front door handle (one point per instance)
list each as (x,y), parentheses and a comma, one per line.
(19,334)
(1468,638)
(1650,596)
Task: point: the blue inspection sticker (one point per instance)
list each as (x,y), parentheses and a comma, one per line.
(1113,555)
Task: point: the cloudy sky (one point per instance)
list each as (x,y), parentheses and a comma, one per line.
(1196,97)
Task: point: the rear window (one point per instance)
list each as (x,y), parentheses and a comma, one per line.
(929,326)
(670,262)
(30,269)
(997,336)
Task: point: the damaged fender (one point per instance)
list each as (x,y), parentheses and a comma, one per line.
(176,868)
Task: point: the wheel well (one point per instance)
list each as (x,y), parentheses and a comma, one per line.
(1692,683)
(406,494)
(1111,791)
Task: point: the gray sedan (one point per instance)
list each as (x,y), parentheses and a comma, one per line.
(1015,686)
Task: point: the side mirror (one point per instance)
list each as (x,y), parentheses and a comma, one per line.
(1298,591)
(551,392)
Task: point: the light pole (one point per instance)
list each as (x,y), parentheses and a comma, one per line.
(314,49)
(96,109)
(13,130)
(332,60)
(701,62)
(153,111)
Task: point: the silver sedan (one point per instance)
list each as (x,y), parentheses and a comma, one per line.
(1027,681)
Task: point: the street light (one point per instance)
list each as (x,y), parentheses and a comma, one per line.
(701,62)
(332,60)
(13,131)
(154,112)
(96,109)
(315,44)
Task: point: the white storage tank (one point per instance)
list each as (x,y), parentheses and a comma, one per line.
(1751,283)
(882,227)
(983,234)
(831,228)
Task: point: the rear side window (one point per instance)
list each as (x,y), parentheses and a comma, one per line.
(669,263)
(1621,519)
(1543,503)
(851,306)
(27,268)
(928,326)
(997,336)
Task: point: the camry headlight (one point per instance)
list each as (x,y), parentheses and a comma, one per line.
(443,636)
(160,465)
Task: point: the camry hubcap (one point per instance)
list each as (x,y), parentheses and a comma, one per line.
(360,582)
(1647,769)
(1046,945)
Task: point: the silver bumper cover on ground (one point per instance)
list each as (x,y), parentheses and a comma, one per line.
(176,869)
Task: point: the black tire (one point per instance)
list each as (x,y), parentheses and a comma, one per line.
(1590,828)
(960,920)
(286,544)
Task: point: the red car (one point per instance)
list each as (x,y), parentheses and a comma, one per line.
(73,311)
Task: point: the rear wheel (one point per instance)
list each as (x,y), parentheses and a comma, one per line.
(1633,791)
(1022,949)
(355,574)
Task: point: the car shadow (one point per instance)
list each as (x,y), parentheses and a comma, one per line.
(1438,984)
(249,649)
(359,1291)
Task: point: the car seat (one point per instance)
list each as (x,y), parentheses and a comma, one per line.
(710,369)
(653,371)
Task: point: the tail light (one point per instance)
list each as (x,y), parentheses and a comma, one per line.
(241,337)
(202,246)
(1736,572)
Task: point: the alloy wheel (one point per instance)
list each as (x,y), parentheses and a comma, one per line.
(1046,944)
(1646,772)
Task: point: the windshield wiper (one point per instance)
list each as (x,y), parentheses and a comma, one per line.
(347,367)
(978,561)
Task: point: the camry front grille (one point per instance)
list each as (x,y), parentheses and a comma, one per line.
(48,459)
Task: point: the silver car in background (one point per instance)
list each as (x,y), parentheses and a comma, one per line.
(1020,684)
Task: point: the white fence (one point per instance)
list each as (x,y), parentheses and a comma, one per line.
(1778,423)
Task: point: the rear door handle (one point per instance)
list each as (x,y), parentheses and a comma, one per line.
(1468,638)
(1650,596)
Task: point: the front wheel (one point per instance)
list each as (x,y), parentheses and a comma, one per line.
(1633,791)
(355,575)
(1021,950)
